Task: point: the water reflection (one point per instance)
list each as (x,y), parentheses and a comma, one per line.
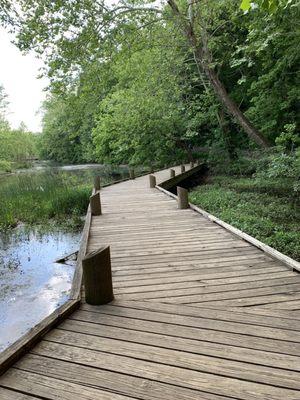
(32,285)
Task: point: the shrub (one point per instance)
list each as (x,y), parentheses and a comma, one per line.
(262,208)
(5,166)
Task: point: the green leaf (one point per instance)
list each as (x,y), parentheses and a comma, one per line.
(245,5)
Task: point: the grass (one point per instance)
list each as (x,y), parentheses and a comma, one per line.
(53,197)
(266,210)
(41,198)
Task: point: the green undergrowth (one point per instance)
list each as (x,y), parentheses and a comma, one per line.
(53,197)
(43,198)
(268,210)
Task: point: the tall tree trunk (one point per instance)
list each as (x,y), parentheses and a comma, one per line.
(230,145)
(203,60)
(233,108)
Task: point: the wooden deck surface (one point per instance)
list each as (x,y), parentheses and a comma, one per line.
(198,314)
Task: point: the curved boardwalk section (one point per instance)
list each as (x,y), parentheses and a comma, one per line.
(198,313)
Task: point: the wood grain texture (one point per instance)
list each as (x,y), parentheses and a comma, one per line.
(199,312)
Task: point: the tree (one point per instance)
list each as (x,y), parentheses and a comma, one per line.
(79,32)
(142,119)
(3,108)
(269,5)
(196,33)
(98,58)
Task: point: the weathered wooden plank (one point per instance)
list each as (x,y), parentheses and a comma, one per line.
(127,334)
(122,383)
(6,394)
(285,304)
(50,388)
(205,295)
(77,278)
(243,340)
(183,359)
(202,322)
(182,310)
(258,266)
(190,288)
(179,277)
(268,300)
(169,374)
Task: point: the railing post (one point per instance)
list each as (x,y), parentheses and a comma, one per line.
(131,173)
(97,277)
(172,173)
(152,181)
(95,203)
(182,169)
(183,198)
(97,185)
(192,164)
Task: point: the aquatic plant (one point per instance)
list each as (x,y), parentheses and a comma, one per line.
(50,196)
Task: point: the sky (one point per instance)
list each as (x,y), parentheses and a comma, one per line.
(18,75)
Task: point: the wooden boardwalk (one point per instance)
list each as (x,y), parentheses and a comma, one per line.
(198,314)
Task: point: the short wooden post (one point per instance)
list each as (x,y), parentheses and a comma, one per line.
(131,173)
(95,203)
(172,173)
(183,198)
(182,169)
(97,185)
(192,164)
(151,169)
(97,277)
(152,181)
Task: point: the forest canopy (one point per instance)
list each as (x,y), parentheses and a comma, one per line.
(137,82)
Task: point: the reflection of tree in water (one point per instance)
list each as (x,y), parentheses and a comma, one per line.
(13,264)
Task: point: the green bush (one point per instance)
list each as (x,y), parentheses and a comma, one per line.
(266,209)
(5,166)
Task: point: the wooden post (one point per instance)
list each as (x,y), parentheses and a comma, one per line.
(152,181)
(97,277)
(183,198)
(95,203)
(172,173)
(151,169)
(131,173)
(182,168)
(192,164)
(97,185)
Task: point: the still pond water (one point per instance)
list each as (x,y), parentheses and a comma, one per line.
(32,284)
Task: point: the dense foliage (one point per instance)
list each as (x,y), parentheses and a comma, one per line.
(127,85)
(17,146)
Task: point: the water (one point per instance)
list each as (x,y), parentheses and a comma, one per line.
(32,285)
